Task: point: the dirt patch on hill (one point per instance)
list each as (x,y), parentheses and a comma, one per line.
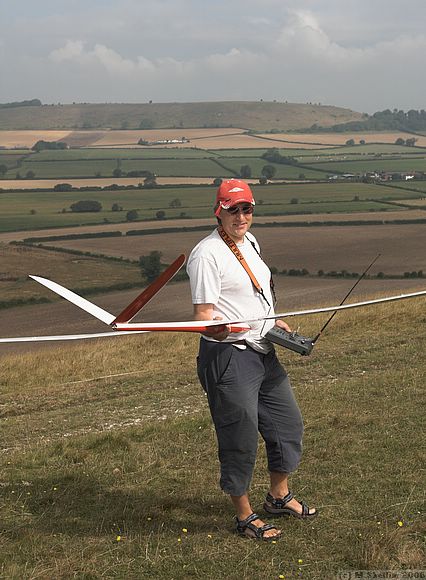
(82,138)
(17,139)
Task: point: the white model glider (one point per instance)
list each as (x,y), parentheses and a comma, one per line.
(121,324)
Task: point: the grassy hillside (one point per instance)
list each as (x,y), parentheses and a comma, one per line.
(109,470)
(260,115)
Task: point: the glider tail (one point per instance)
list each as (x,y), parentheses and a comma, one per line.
(131,310)
(79,301)
(139,302)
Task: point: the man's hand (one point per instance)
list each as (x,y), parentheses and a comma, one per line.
(283,325)
(218,332)
(205,312)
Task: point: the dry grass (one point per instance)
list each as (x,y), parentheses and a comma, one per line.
(109,454)
(255,115)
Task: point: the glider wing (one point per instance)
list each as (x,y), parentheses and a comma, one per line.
(64,337)
(238,325)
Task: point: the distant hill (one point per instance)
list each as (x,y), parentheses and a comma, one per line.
(257,116)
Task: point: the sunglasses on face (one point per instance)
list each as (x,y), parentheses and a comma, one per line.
(247,208)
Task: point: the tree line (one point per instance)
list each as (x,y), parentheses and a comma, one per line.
(396,120)
(28,103)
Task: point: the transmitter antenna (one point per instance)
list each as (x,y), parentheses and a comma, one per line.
(345,298)
(303,344)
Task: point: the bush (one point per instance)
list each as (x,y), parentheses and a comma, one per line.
(132,215)
(245,172)
(62,187)
(40,145)
(151,265)
(86,206)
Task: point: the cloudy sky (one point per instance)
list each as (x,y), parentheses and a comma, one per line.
(367,55)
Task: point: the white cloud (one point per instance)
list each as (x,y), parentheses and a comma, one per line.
(72,49)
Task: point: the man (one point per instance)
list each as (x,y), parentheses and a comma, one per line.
(248,390)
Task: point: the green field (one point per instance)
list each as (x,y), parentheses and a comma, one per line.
(192,162)
(104,168)
(12,158)
(34,210)
(394,165)
(282,171)
(419,186)
(367,149)
(113,154)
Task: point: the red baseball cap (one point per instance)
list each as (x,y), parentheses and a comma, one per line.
(231,192)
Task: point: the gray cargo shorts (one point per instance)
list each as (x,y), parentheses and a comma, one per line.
(249,393)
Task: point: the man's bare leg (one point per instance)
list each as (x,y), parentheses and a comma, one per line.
(279,489)
(243,510)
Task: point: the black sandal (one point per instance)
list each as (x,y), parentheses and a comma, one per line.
(277,507)
(249,530)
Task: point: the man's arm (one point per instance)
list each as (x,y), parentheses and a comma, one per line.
(205,312)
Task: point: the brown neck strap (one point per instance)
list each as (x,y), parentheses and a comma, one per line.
(234,249)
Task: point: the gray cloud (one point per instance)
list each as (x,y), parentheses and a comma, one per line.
(363,55)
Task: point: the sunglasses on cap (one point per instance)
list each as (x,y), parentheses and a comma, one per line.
(247,208)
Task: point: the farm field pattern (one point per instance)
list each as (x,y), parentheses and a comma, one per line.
(210,154)
(92,486)
(322,247)
(215,138)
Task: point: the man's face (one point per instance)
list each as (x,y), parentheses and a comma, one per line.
(237,220)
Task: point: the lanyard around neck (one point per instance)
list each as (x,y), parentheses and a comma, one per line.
(234,249)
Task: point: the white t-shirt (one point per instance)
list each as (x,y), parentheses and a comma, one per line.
(218,278)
